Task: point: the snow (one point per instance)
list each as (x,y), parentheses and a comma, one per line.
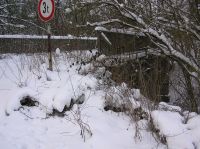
(101,57)
(14,102)
(85,126)
(86,68)
(100,28)
(137,93)
(69,37)
(73,89)
(178,134)
(122,5)
(128,31)
(68,10)
(57,51)
(102,23)
(165,106)
(162,120)
(136,54)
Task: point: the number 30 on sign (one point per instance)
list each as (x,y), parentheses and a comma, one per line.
(46,9)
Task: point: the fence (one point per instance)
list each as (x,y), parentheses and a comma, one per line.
(34,43)
(122,42)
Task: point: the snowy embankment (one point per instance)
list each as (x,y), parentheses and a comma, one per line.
(181,130)
(67,109)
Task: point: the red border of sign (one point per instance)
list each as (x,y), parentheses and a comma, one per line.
(45,19)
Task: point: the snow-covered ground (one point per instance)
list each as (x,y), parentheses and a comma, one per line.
(86,125)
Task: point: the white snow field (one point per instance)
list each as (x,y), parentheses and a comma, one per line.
(86,125)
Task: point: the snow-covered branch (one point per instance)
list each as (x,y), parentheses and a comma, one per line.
(103,23)
(7,5)
(23,20)
(160,32)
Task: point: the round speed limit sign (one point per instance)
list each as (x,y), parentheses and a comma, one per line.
(46,9)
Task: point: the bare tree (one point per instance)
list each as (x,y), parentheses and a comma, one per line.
(18,16)
(172,26)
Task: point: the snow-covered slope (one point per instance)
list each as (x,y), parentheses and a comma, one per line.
(67,109)
(85,126)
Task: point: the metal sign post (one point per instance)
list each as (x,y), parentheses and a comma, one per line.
(49,48)
(46,10)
